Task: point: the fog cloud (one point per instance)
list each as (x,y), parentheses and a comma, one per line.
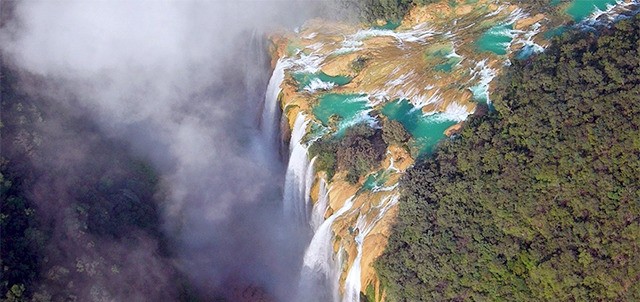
(183,83)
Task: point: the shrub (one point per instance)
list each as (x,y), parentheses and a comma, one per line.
(393,133)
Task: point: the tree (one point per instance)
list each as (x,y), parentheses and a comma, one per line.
(394,133)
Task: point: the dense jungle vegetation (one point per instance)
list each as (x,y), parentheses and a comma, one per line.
(75,207)
(375,10)
(538,200)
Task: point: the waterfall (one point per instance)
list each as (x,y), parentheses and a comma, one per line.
(320,270)
(255,70)
(353,281)
(299,176)
(485,74)
(317,214)
(269,121)
(309,177)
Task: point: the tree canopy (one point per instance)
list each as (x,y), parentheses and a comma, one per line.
(538,200)
(387,10)
(71,201)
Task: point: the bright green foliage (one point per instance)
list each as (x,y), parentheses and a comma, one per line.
(539,200)
(324,150)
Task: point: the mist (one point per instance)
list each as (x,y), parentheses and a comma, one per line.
(182,83)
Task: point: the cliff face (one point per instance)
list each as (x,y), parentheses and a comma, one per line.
(440,60)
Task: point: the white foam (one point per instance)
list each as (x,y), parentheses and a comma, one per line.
(317,84)
(455,112)
(486,75)
(310,36)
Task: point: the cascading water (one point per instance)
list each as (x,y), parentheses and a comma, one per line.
(309,177)
(353,281)
(299,176)
(317,213)
(256,74)
(270,121)
(485,74)
(297,206)
(317,84)
(320,271)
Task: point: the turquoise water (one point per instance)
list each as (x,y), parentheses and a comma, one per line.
(390,25)
(554,32)
(376,179)
(442,58)
(581,9)
(496,39)
(316,130)
(526,52)
(426,130)
(448,65)
(350,109)
(439,51)
(303,79)
(555,2)
(479,93)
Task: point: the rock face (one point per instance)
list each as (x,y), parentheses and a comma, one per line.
(441,60)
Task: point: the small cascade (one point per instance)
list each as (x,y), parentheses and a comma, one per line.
(299,176)
(317,213)
(317,84)
(320,270)
(455,112)
(353,282)
(269,121)
(485,75)
(418,34)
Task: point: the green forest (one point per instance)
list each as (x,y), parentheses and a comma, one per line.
(78,210)
(538,200)
(387,10)
(373,11)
